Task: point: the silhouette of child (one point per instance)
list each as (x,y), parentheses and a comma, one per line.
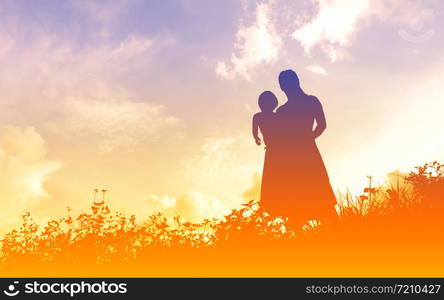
(264,120)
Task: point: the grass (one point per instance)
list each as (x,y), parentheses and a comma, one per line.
(382,232)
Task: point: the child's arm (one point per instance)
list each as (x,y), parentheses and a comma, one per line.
(256,129)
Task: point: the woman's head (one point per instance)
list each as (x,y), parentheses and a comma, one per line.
(289,81)
(267,101)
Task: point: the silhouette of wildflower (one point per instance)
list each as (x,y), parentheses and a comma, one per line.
(103,236)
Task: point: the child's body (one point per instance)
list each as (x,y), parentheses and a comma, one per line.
(265,120)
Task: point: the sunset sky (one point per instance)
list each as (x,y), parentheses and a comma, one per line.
(152,100)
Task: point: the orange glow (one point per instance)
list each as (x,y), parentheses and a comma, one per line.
(383,233)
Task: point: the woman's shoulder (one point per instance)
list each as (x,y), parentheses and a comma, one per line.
(314,100)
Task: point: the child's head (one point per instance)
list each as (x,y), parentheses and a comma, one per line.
(267,101)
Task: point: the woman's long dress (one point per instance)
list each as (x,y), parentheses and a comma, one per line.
(295,182)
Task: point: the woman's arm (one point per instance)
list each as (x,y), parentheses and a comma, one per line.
(321,123)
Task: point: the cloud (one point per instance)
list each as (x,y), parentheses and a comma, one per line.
(99,10)
(223,167)
(216,154)
(193,206)
(87,83)
(316,69)
(58,64)
(87,93)
(220,157)
(112,122)
(104,13)
(408,138)
(256,44)
(334,27)
(50,61)
(23,171)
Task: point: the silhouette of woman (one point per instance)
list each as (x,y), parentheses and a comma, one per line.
(295,182)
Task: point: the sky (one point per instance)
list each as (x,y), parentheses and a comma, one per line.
(152,100)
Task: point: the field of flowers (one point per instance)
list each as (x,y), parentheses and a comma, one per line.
(386,231)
